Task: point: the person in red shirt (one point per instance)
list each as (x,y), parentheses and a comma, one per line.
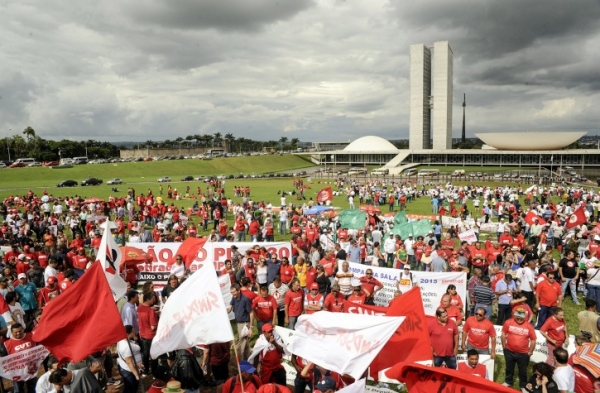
(477,332)
(222,228)
(246,289)
(67,282)
(548,294)
(334,302)
(447,245)
(80,261)
(329,263)
(370,286)
(454,312)
(254,229)
(294,304)
(162,376)
(286,271)
(265,307)
(358,296)
(77,242)
(506,239)
(311,274)
(313,301)
(251,381)
(472,365)
(21,341)
(240,229)
(148,322)
(518,343)
(443,333)
(48,292)
(555,332)
(271,369)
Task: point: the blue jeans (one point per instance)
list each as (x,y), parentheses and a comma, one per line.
(130,384)
(449,360)
(594,293)
(545,313)
(569,282)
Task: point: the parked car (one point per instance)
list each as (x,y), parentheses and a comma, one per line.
(164,179)
(114,181)
(92,181)
(187,178)
(67,183)
(51,163)
(18,165)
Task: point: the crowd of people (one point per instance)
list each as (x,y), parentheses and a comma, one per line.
(520,276)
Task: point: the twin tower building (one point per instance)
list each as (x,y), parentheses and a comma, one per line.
(431,91)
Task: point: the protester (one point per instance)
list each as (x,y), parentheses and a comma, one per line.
(555,332)
(251,382)
(186,370)
(267,354)
(443,334)
(589,320)
(547,295)
(148,322)
(564,375)
(294,304)
(518,343)
(129,360)
(215,360)
(277,289)
(479,334)
(541,381)
(21,341)
(472,365)
(244,318)
(82,380)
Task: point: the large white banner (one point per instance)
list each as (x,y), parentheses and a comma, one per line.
(23,365)
(225,284)
(344,343)
(194,314)
(433,285)
(217,252)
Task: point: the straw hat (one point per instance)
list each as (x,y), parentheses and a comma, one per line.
(173,387)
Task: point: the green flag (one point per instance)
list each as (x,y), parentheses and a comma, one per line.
(353,219)
(400,218)
(403,230)
(421,227)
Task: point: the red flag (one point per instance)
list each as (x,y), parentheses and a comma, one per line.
(577,218)
(411,341)
(325,194)
(531,215)
(82,320)
(3,305)
(188,250)
(427,379)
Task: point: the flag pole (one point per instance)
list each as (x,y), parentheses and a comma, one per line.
(237,362)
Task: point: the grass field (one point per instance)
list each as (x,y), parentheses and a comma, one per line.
(143,175)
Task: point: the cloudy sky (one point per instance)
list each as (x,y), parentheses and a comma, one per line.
(317,70)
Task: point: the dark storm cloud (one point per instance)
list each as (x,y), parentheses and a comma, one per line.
(16,93)
(238,15)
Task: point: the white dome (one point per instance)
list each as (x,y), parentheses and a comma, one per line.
(371,144)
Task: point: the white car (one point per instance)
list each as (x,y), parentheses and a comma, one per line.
(164,179)
(114,181)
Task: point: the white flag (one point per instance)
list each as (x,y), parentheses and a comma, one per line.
(194,314)
(468,236)
(109,255)
(356,387)
(344,343)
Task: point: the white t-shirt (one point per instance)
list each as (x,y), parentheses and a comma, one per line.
(124,352)
(564,378)
(527,277)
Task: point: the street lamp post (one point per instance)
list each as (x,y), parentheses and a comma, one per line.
(8,143)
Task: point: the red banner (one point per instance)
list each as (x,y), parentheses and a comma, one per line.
(531,215)
(324,195)
(577,218)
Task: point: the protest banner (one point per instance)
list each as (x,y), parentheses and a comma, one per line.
(195,314)
(225,284)
(216,252)
(433,285)
(468,236)
(345,343)
(23,365)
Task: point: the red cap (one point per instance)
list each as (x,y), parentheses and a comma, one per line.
(267,327)
(314,285)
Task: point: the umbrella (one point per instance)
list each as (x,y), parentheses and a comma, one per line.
(588,357)
(370,209)
(134,256)
(93,200)
(317,210)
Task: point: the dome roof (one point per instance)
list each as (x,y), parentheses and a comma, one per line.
(529,140)
(371,144)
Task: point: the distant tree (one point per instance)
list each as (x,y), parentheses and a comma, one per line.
(295,142)
(29,133)
(218,139)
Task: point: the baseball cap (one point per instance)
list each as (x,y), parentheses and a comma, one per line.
(51,280)
(21,257)
(314,285)
(406,267)
(520,313)
(21,275)
(246,367)
(267,327)
(325,384)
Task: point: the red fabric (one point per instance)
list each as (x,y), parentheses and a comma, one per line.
(479,333)
(13,345)
(442,336)
(518,335)
(325,194)
(577,218)
(531,215)
(3,305)
(188,250)
(426,379)
(147,318)
(69,325)
(264,308)
(410,343)
(555,329)
(477,371)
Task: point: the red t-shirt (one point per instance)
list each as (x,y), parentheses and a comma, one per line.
(249,294)
(287,273)
(518,335)
(295,302)
(264,308)
(65,284)
(329,265)
(555,329)
(311,275)
(333,303)
(479,333)
(311,300)
(13,345)
(80,262)
(478,371)
(146,319)
(548,293)
(369,284)
(358,299)
(442,337)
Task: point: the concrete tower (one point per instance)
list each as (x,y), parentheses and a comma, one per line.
(423,103)
(420,94)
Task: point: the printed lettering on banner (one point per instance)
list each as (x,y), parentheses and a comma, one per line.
(216,252)
(468,236)
(24,365)
(433,285)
